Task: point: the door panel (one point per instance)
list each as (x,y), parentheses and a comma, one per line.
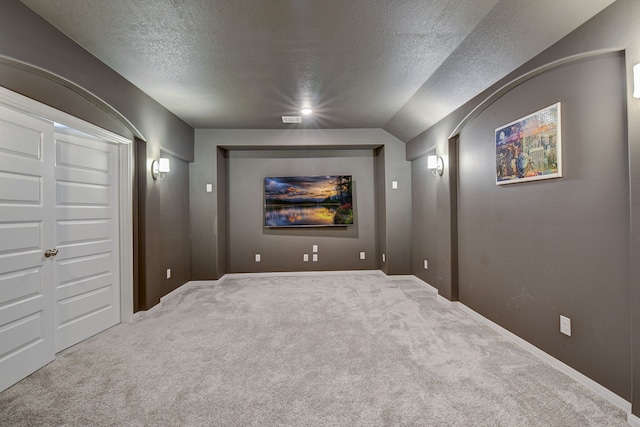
(26,231)
(87,275)
(20,236)
(75,194)
(19,284)
(16,188)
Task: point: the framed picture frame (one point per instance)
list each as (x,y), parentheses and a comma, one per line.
(529,149)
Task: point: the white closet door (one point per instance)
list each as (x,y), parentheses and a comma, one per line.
(26,231)
(87,276)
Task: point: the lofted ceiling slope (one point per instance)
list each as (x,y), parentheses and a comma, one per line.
(399,65)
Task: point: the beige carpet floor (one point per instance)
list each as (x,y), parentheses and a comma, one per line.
(330,350)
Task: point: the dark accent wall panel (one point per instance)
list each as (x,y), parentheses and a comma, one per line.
(222,223)
(175,253)
(533,251)
(424,209)
(397,205)
(139,224)
(282,249)
(202,209)
(633,132)
(381,216)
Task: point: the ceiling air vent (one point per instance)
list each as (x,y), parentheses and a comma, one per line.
(291,119)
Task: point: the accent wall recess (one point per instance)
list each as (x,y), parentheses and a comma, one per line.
(529,149)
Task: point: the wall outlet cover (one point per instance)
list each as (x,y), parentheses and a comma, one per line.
(257,257)
(565,325)
(168,273)
(384,258)
(315,248)
(315,257)
(394,185)
(209,188)
(426,265)
(362,255)
(305,257)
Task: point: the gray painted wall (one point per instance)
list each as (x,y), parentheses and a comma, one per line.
(530,252)
(381,203)
(425,227)
(633,132)
(597,282)
(176,246)
(282,249)
(33,55)
(265,150)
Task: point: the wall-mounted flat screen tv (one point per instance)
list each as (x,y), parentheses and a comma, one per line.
(308,201)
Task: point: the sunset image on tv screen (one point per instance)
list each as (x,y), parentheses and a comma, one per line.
(298,201)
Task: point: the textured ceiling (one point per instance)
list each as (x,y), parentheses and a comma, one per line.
(398,65)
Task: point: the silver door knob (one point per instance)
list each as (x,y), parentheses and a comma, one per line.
(50,252)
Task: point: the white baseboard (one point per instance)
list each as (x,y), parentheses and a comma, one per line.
(429,287)
(143,314)
(398,276)
(598,389)
(299,273)
(139,315)
(452,304)
(633,420)
(199,283)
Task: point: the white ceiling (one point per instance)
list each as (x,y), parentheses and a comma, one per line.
(401,65)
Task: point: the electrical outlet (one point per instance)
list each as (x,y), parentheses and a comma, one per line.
(168,273)
(565,325)
(362,255)
(426,265)
(315,257)
(384,258)
(305,257)
(257,257)
(209,188)
(315,248)
(394,185)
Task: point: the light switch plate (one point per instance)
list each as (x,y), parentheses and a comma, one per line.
(565,325)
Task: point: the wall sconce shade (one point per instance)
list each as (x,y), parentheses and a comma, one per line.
(436,165)
(163,165)
(636,81)
(159,168)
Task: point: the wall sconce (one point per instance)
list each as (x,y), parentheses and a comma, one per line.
(159,168)
(436,165)
(636,81)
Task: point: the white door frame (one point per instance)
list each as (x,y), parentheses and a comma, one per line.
(125,153)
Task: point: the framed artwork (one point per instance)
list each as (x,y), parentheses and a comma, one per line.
(529,149)
(308,201)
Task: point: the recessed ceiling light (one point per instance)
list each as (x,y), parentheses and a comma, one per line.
(306,111)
